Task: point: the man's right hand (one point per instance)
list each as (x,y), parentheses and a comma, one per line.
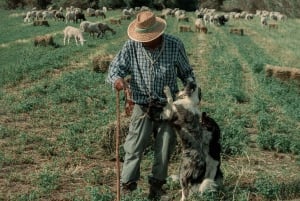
(120,84)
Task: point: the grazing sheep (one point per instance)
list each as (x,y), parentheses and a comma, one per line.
(90,12)
(198,24)
(103,28)
(41,23)
(45,40)
(90,27)
(47,15)
(30,15)
(70,31)
(264,20)
(80,17)
(70,16)
(59,16)
(183,18)
(185,28)
(100,13)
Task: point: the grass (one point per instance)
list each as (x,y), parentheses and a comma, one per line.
(55,109)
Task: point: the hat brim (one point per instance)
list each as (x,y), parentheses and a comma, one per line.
(146,36)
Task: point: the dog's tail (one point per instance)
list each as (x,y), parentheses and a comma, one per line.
(208,185)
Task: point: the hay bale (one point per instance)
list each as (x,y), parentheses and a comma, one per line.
(283,73)
(295,75)
(108,142)
(46,40)
(101,62)
(237,31)
(41,23)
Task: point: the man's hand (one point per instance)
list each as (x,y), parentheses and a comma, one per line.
(120,84)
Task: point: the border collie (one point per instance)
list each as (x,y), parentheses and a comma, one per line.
(199,134)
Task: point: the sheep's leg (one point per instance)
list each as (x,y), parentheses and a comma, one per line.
(76,40)
(65,40)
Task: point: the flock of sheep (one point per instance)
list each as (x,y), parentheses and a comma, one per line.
(203,18)
(75,15)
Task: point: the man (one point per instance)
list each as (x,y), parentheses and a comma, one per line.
(153,60)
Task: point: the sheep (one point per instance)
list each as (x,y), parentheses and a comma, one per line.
(41,23)
(80,17)
(90,27)
(103,28)
(264,20)
(47,15)
(59,16)
(100,13)
(70,31)
(183,18)
(198,24)
(44,41)
(70,15)
(30,15)
(90,12)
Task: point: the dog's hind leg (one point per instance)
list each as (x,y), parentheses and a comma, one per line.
(184,193)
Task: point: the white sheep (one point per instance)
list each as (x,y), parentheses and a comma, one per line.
(90,12)
(264,20)
(70,15)
(70,31)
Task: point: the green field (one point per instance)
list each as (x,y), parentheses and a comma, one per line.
(56,111)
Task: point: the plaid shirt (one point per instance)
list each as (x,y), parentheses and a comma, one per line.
(148,80)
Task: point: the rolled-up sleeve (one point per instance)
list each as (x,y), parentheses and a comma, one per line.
(119,67)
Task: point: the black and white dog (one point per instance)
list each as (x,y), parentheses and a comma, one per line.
(200,166)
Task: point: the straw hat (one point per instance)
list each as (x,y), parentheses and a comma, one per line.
(146,27)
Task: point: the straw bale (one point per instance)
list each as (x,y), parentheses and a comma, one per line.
(101,62)
(108,142)
(283,73)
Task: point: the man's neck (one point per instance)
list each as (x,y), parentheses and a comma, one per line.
(154,44)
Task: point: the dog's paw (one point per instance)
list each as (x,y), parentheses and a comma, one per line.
(168,94)
(208,185)
(167,113)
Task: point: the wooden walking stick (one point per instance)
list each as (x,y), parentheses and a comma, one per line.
(117,145)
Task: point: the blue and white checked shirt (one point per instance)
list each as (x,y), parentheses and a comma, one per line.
(148,81)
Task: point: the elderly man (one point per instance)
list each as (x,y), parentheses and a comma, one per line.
(153,60)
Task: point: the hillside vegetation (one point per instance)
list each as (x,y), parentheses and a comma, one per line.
(56,110)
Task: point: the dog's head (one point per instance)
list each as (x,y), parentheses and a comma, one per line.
(192,91)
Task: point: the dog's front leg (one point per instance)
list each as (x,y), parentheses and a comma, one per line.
(167,112)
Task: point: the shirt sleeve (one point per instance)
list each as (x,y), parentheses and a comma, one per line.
(119,66)
(184,69)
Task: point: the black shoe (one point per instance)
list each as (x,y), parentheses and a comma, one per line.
(155,191)
(127,188)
